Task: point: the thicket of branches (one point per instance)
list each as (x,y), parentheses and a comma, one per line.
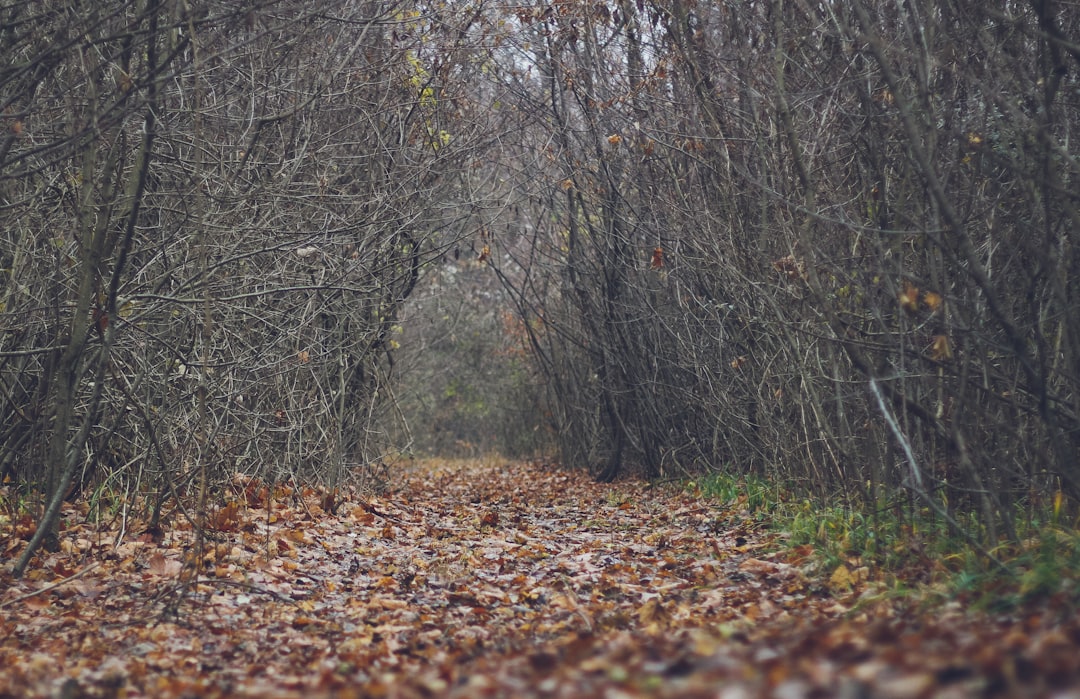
(211,215)
(832,244)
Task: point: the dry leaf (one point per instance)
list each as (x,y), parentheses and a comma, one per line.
(909,297)
(651,612)
(940,350)
(405,596)
(841,581)
(166,567)
(790,267)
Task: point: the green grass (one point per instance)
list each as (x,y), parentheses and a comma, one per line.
(909,549)
(757,496)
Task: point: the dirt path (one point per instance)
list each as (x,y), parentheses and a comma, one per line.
(472,581)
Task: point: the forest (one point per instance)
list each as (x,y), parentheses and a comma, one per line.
(829,248)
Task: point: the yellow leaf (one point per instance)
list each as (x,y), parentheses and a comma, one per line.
(940,350)
(909,297)
(841,580)
(651,612)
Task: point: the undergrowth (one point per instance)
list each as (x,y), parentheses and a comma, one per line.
(911,551)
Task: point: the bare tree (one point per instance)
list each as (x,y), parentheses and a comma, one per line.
(216,212)
(763,211)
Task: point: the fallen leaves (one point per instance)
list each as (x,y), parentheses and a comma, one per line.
(845,580)
(480,580)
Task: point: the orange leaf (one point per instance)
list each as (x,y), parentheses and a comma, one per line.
(227,518)
(932,300)
(614,139)
(909,297)
(38,602)
(359,514)
(940,350)
(657,258)
(485,253)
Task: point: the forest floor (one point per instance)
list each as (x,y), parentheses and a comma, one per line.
(473,579)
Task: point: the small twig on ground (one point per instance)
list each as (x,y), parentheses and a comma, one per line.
(368,507)
(47,588)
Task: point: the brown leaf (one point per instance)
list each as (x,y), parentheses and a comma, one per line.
(166,567)
(790,267)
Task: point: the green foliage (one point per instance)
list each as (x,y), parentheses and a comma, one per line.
(15,500)
(913,551)
(755,495)
(106,502)
(1044,565)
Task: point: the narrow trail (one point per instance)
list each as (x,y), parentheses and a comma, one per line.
(481,580)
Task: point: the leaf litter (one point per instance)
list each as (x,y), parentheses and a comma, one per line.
(476,580)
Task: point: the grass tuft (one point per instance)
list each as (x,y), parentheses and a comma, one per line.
(909,549)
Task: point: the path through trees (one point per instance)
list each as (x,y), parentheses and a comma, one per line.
(476,579)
